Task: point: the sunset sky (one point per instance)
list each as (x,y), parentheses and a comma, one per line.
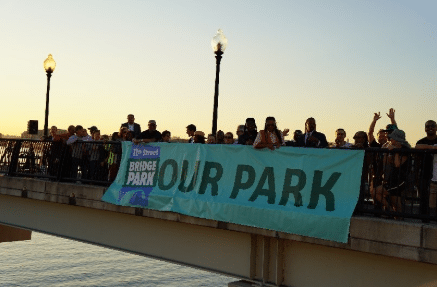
(336,61)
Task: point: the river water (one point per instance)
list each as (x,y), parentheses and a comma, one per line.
(51,261)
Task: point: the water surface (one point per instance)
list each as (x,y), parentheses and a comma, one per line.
(52,261)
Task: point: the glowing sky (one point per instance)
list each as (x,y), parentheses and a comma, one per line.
(337,61)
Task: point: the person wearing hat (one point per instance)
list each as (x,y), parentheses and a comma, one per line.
(93,129)
(397,140)
(132,126)
(397,179)
(96,135)
(388,130)
(249,133)
(76,151)
(149,135)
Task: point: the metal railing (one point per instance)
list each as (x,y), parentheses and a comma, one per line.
(395,184)
(85,162)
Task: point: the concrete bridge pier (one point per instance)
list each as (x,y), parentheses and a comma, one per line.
(9,234)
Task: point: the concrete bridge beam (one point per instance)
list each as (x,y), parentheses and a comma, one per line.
(379,252)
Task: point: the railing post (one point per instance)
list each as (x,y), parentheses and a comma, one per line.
(64,151)
(424,189)
(14,158)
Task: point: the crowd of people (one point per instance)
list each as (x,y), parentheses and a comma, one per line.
(270,137)
(388,173)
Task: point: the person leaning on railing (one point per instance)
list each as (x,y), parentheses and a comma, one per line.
(53,152)
(132,126)
(360,140)
(199,137)
(375,160)
(396,173)
(271,137)
(149,135)
(165,136)
(429,174)
(229,138)
(220,137)
(70,132)
(249,132)
(340,135)
(296,135)
(311,137)
(97,156)
(77,151)
(211,139)
(239,133)
(114,152)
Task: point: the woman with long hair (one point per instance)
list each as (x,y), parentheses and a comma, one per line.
(361,140)
(271,137)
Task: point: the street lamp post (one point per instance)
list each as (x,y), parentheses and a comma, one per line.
(49,66)
(219,43)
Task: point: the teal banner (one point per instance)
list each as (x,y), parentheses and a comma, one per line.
(304,191)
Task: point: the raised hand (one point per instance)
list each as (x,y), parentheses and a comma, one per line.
(391,114)
(377,116)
